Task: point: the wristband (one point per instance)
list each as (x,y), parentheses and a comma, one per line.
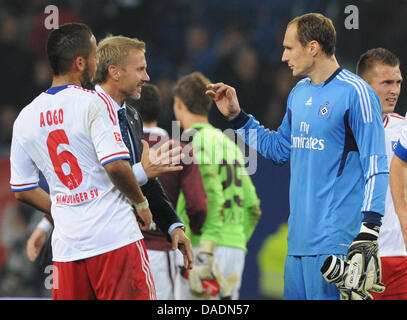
(45,225)
(240,120)
(368,232)
(372,217)
(142,205)
(207,246)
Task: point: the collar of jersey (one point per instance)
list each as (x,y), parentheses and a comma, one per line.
(98,88)
(386,120)
(333,75)
(55,90)
(200,126)
(155,130)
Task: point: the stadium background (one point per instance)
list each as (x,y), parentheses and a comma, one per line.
(234,41)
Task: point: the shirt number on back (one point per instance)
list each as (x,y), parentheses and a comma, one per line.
(65,164)
(232,176)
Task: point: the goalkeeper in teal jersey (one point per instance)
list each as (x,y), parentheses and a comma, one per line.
(233,206)
(333,135)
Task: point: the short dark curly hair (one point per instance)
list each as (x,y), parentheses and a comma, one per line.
(65,44)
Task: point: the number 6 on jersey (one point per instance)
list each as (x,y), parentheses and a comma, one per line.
(74,178)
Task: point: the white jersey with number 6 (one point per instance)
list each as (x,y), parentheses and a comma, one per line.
(69,134)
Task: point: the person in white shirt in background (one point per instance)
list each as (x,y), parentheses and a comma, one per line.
(380,68)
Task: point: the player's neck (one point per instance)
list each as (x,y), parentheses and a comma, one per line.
(65,79)
(113,92)
(192,119)
(150,124)
(323,69)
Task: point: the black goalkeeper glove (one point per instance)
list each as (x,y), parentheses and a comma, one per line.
(334,271)
(365,270)
(362,271)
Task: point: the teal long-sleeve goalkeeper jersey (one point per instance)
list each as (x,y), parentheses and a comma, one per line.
(333,136)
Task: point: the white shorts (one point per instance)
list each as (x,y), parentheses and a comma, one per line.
(229,260)
(162,266)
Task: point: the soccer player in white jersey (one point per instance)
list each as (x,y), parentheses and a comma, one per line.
(380,68)
(333,135)
(72,136)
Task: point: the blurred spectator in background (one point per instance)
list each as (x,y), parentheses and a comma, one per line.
(38,33)
(15,62)
(234,37)
(165,86)
(41,78)
(200,54)
(281,86)
(18,276)
(250,81)
(7,116)
(271,259)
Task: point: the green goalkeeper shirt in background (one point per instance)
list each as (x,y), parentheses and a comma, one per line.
(233,206)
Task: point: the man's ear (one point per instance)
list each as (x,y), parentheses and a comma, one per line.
(179,104)
(314,48)
(114,72)
(79,64)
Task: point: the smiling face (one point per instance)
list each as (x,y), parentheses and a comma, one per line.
(134,74)
(386,81)
(298,57)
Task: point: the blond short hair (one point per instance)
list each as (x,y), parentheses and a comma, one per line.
(115,50)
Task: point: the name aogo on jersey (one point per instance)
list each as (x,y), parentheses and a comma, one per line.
(78,134)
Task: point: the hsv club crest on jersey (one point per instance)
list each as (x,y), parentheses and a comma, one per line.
(325,110)
(333,136)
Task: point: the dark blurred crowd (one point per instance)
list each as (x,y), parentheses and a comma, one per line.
(238,42)
(234,41)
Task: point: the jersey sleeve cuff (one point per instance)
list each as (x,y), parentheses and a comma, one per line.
(116,156)
(372,217)
(45,225)
(240,120)
(173,226)
(23,187)
(401,152)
